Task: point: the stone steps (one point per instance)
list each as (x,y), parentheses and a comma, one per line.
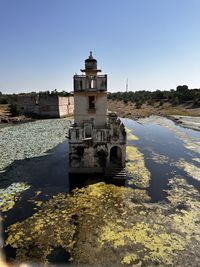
(115,173)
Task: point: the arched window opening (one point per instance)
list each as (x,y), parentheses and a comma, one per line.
(116,155)
(92,84)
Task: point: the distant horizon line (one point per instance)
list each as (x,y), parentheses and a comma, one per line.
(71,91)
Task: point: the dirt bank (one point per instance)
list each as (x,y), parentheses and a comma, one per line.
(185,114)
(167,109)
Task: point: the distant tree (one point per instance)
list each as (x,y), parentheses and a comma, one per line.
(54,92)
(182,88)
(150,102)
(3,100)
(180,95)
(158,94)
(14,109)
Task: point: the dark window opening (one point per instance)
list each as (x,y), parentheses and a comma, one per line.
(88,132)
(116,155)
(91,102)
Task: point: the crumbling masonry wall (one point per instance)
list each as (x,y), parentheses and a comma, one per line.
(46,106)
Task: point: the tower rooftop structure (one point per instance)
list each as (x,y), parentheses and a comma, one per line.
(91,65)
(90,80)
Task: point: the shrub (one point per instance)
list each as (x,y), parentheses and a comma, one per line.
(14,110)
(3,100)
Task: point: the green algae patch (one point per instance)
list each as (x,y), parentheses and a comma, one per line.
(136,169)
(9,195)
(189,168)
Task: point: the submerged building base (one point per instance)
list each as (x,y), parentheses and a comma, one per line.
(99,149)
(86,170)
(77,180)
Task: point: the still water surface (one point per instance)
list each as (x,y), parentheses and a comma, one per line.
(162,139)
(162,143)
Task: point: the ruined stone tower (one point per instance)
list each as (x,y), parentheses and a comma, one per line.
(97,139)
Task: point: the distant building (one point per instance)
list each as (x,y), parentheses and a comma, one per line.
(97,140)
(46,105)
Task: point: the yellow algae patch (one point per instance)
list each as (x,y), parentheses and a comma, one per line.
(191,169)
(35,237)
(129,258)
(158,158)
(185,199)
(56,222)
(130,135)
(158,246)
(135,167)
(159,232)
(9,195)
(196,159)
(106,225)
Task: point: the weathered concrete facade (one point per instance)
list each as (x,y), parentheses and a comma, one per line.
(46,106)
(97,139)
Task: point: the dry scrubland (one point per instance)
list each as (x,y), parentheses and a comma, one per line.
(129,109)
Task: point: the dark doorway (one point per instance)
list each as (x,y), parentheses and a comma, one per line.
(116,155)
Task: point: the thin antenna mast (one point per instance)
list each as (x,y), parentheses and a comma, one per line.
(127,85)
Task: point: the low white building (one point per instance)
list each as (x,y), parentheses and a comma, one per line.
(97,139)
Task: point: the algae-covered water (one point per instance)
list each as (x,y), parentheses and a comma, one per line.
(152,220)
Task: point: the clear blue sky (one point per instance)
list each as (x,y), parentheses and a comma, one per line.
(153,43)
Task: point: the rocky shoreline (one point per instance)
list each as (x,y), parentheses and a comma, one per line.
(13,120)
